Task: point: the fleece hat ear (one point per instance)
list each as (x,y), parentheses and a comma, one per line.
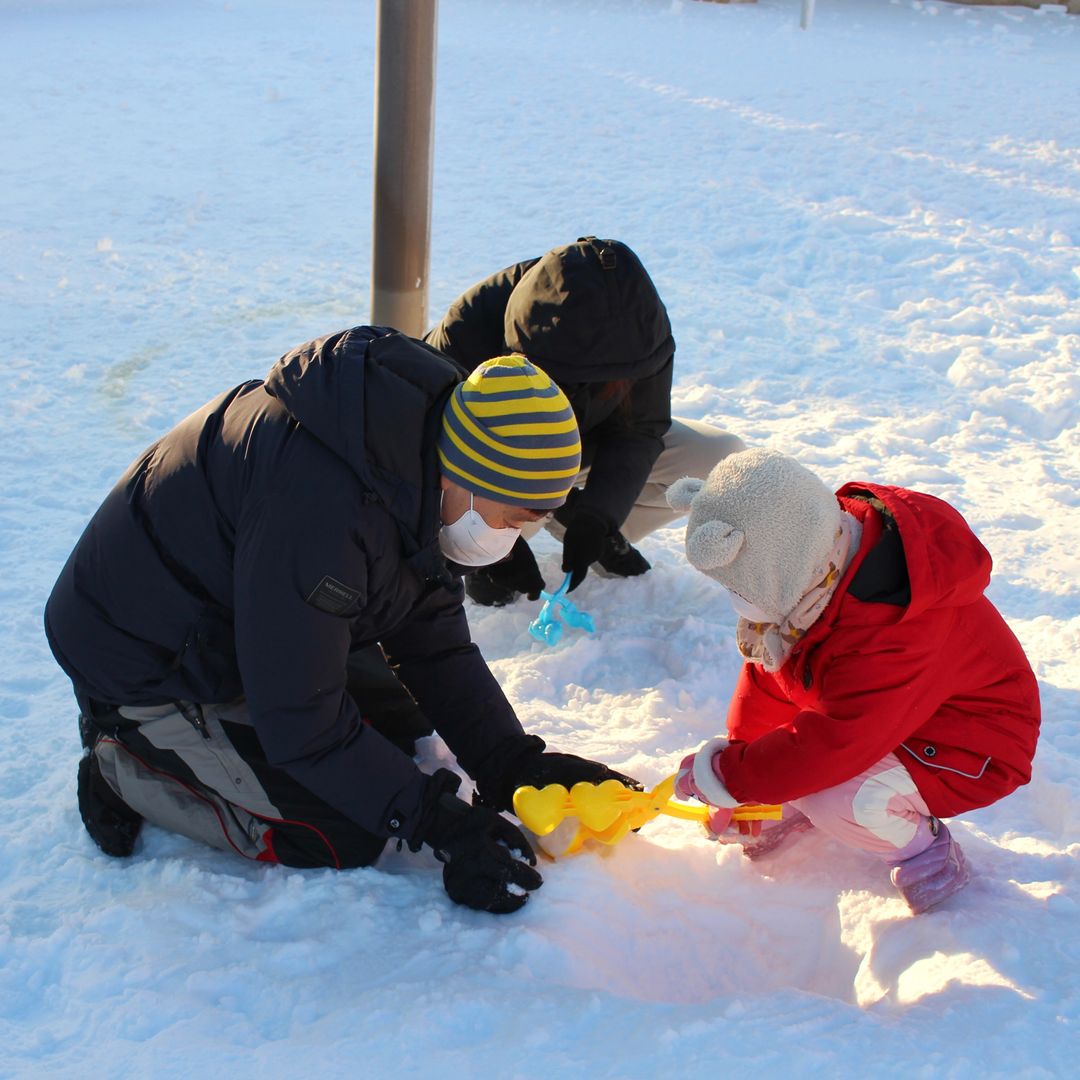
(764,527)
(714,544)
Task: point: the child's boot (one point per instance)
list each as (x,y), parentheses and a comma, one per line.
(776,835)
(930,877)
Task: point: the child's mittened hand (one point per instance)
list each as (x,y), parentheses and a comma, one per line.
(720,822)
(684,780)
(698,779)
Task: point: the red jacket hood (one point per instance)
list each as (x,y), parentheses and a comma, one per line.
(947,566)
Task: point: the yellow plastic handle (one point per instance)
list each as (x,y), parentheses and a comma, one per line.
(757,812)
(608,811)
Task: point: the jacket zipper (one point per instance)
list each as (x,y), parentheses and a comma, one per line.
(193,714)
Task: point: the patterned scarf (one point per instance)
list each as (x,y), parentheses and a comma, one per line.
(770,644)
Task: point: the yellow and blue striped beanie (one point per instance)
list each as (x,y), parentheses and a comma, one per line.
(509,434)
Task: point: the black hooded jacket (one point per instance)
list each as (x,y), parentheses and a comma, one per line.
(589,315)
(247,552)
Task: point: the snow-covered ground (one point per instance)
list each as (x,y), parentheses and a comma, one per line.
(868,237)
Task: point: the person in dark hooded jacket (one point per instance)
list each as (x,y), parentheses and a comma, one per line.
(207,615)
(589,315)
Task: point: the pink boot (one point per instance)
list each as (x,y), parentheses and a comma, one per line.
(769,837)
(930,877)
(794,823)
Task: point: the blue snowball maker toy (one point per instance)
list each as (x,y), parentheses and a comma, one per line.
(546,628)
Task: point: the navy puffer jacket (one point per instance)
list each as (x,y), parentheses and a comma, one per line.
(280,526)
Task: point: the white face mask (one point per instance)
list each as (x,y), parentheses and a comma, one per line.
(747,610)
(471,541)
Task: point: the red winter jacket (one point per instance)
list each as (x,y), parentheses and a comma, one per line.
(908,657)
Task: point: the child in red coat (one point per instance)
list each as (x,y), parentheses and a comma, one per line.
(882,690)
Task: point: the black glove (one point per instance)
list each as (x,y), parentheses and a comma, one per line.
(521,761)
(568,770)
(518,571)
(475,844)
(586,533)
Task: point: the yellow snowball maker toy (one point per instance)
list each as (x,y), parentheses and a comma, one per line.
(563,820)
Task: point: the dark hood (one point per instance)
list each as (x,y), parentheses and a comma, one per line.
(589,312)
(374,397)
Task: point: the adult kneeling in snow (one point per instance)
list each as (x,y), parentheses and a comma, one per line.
(207,615)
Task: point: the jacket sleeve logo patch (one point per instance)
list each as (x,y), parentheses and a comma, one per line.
(331,596)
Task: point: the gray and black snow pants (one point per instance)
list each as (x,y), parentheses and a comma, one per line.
(199,770)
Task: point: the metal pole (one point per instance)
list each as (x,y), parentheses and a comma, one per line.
(404,131)
(807,14)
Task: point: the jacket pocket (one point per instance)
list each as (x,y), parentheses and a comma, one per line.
(967,763)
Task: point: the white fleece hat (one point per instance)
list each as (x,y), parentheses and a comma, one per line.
(762,525)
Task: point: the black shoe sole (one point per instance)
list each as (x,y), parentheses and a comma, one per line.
(111,823)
